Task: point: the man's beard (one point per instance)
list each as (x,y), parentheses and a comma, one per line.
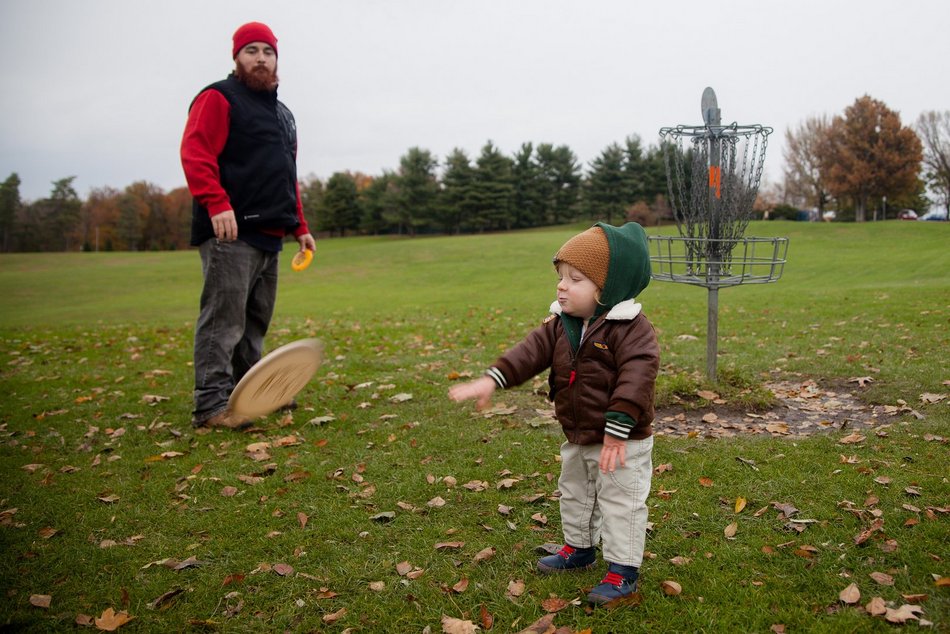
(259,78)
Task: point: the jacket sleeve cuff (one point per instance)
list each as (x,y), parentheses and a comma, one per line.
(219,207)
(497,376)
(619,425)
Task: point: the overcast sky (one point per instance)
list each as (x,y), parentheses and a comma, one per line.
(99,89)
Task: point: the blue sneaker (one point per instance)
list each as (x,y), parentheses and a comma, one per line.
(621,581)
(568,559)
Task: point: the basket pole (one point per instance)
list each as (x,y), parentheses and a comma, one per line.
(714,246)
(712,331)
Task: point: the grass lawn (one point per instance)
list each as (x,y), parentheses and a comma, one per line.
(380,506)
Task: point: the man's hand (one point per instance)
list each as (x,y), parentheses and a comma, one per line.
(307,242)
(613,448)
(225,226)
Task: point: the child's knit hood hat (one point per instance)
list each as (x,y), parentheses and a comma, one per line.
(616,259)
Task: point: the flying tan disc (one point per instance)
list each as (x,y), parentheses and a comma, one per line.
(276,379)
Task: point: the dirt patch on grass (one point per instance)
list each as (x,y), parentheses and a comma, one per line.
(802,409)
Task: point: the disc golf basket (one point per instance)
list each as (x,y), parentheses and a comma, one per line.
(713,173)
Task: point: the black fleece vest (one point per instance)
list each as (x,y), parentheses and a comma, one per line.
(257,166)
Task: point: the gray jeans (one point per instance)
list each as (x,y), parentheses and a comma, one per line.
(237,301)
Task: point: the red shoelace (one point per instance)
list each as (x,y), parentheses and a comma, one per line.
(566,551)
(613,579)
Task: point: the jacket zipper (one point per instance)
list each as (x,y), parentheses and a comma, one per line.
(573,375)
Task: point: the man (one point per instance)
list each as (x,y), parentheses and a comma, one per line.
(239,155)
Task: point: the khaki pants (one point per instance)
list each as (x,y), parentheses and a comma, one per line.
(611,506)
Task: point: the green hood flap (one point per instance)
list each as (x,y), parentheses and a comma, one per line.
(629,270)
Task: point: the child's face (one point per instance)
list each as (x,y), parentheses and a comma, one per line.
(576,294)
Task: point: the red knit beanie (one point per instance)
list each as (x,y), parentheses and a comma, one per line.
(253,32)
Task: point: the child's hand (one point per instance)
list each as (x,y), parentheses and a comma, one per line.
(481,389)
(613,448)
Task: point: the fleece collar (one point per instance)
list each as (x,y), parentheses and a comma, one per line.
(625,310)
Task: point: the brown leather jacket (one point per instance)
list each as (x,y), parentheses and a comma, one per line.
(614,370)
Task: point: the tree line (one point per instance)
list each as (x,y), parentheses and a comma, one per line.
(854,163)
(537,186)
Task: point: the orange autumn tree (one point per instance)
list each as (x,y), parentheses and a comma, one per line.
(867,155)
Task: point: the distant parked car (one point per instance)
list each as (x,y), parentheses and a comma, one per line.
(934,214)
(907,214)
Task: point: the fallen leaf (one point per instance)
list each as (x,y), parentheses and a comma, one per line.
(484,554)
(554,604)
(740,504)
(876,607)
(461,586)
(287,441)
(47,532)
(903,613)
(452,625)
(454,545)
(671,588)
(40,600)
(850,595)
(110,621)
(883,579)
(680,561)
(515,589)
(486,617)
(284,570)
(705,481)
(335,616)
(864,535)
(730,531)
(325,593)
(377,586)
(544,625)
(437,502)
(540,518)
(785,508)
(191,562)
(229,491)
(851,439)
(164,598)
(476,485)
(403,567)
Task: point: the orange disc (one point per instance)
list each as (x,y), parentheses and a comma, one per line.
(302,260)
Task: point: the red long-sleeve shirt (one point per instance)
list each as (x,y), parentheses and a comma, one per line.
(206,133)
